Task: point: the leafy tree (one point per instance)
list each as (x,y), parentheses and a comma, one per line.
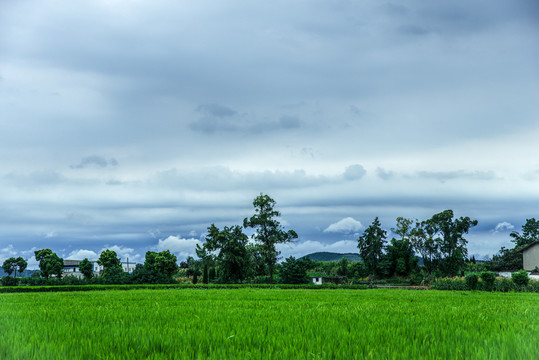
(268,230)
(450,238)
(507,259)
(511,259)
(530,234)
(49,263)
(343,267)
(13,265)
(21,265)
(86,268)
(162,263)
(400,253)
(371,244)
(232,256)
(422,239)
(110,262)
(256,260)
(293,271)
(191,265)
(9,265)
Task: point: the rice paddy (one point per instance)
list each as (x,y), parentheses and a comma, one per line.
(269,324)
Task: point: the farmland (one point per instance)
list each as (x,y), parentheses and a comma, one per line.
(268,324)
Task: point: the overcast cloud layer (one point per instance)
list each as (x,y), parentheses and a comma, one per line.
(134,125)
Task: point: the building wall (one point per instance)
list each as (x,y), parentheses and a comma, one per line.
(531,258)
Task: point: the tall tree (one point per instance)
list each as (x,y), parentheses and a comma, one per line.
(161,263)
(86,268)
(110,261)
(10,265)
(268,230)
(450,238)
(293,271)
(511,259)
(400,252)
(530,233)
(232,257)
(371,244)
(423,242)
(49,263)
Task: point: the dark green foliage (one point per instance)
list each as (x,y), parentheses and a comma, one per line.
(507,260)
(9,265)
(9,281)
(500,284)
(343,267)
(211,274)
(268,230)
(195,277)
(232,257)
(49,263)
(511,259)
(449,234)
(471,281)
(86,268)
(520,278)
(358,270)
(110,262)
(293,271)
(488,278)
(205,274)
(371,244)
(331,256)
(530,233)
(162,264)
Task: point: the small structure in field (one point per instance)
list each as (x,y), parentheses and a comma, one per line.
(319,280)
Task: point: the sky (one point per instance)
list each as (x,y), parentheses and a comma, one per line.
(134,125)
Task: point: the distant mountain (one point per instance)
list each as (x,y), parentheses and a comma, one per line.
(331,256)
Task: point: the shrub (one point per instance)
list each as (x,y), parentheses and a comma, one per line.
(471,281)
(9,281)
(488,278)
(520,278)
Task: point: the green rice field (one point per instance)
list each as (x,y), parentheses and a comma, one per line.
(269,324)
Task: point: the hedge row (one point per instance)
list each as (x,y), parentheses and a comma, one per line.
(500,284)
(22,289)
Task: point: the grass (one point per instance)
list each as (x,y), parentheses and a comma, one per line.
(269,324)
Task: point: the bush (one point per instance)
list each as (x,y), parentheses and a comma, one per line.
(488,278)
(520,278)
(9,281)
(471,281)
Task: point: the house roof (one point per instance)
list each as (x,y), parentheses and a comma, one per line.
(529,246)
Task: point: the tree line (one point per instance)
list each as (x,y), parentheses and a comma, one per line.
(434,247)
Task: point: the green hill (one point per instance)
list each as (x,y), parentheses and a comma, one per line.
(331,256)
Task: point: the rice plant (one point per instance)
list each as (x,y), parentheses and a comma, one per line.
(269,324)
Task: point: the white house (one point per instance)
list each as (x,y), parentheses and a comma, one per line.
(71,268)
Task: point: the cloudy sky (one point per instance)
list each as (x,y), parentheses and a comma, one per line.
(134,125)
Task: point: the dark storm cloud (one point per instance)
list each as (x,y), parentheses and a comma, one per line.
(216,110)
(384,174)
(443,176)
(219,118)
(234,96)
(95,160)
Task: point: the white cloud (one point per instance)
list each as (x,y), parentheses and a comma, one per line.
(82,254)
(503,226)
(179,246)
(347,225)
(125,253)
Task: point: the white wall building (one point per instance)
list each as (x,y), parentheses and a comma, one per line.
(71,268)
